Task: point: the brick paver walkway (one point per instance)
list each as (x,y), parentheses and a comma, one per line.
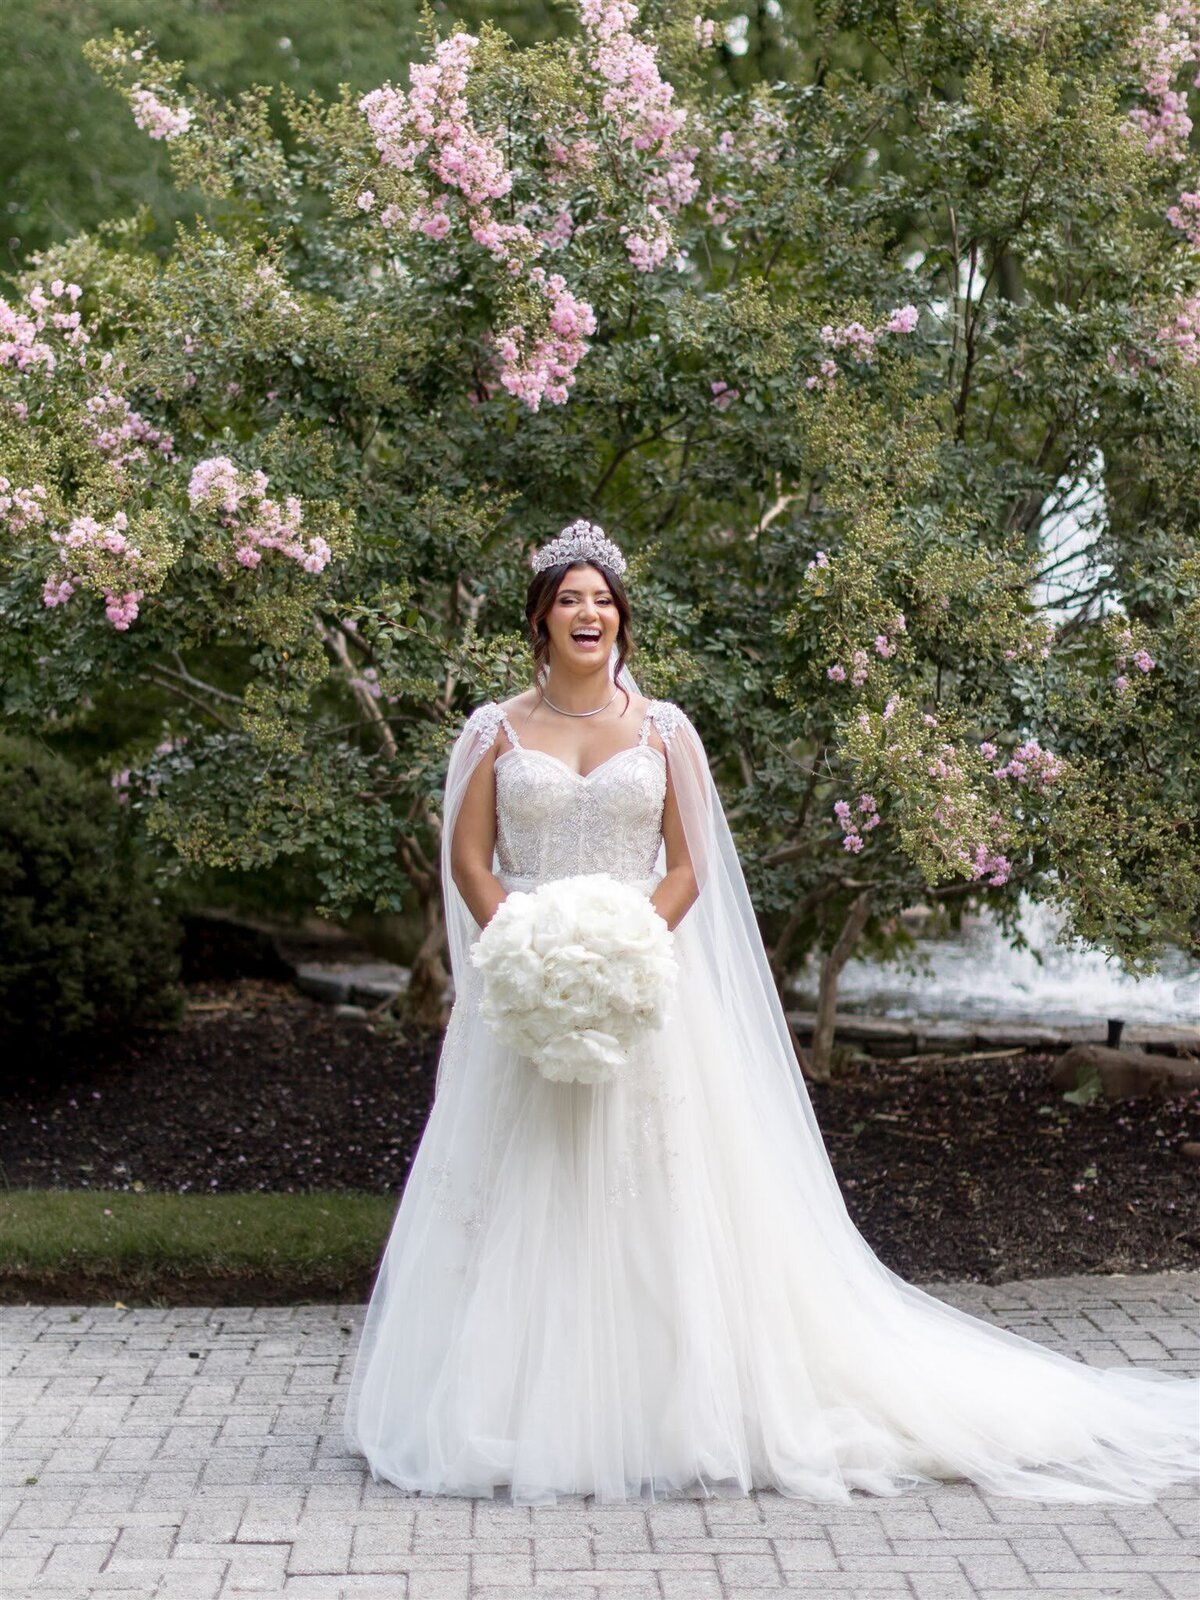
(198,1454)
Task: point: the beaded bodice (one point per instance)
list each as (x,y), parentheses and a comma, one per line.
(552,822)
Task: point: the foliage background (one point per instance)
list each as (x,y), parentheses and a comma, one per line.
(969,159)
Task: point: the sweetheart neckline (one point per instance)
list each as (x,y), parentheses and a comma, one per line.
(526,750)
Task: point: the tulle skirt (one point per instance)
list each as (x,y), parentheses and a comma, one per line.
(649,1288)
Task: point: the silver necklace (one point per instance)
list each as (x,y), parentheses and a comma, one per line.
(594,713)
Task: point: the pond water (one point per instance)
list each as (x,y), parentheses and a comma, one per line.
(977,976)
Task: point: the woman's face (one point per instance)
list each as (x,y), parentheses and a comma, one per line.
(583,621)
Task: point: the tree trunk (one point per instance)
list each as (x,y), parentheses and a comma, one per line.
(820,1068)
(427,986)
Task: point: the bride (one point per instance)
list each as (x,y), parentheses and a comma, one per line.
(652,1286)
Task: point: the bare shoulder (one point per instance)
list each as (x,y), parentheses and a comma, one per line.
(518,706)
(635,711)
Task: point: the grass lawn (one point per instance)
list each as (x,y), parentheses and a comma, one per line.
(189,1249)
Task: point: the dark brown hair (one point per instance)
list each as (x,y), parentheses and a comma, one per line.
(540,599)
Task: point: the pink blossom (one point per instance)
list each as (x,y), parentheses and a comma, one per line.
(647,253)
(723,395)
(155,117)
(21,508)
(1143,661)
(256,522)
(1185,216)
(215,481)
(1163,47)
(545,369)
(122,609)
(560,231)
(987,750)
(1031,765)
(1121,684)
(20,345)
(123,434)
(985,861)
(1182,333)
(836,673)
(884,646)
(902,320)
(860,340)
(852,842)
(365,200)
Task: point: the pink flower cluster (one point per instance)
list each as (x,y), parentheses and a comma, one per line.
(1185,215)
(90,548)
(854,827)
(1142,660)
(123,434)
(987,861)
(860,340)
(1031,765)
(155,116)
(545,368)
(640,102)
(860,661)
(723,395)
(20,343)
(571,159)
(122,609)
(434,116)
(1164,47)
(1182,333)
(256,522)
(21,508)
(433,120)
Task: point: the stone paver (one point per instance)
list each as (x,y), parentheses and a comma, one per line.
(197,1455)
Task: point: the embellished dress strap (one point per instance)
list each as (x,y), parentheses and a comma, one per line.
(666,717)
(484,723)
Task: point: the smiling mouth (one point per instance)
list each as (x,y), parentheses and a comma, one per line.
(587,636)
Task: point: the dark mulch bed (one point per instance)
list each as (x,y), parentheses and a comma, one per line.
(969,1170)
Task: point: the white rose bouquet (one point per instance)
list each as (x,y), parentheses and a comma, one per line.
(574,971)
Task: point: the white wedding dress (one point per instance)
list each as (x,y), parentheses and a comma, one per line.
(652,1287)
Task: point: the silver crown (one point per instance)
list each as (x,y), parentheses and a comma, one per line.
(581,541)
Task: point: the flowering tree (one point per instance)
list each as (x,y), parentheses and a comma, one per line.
(885,378)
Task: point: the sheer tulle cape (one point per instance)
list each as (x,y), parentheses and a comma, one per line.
(656,1289)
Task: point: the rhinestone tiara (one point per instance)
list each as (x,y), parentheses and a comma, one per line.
(580,541)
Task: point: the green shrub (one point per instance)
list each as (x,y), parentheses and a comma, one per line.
(85,946)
